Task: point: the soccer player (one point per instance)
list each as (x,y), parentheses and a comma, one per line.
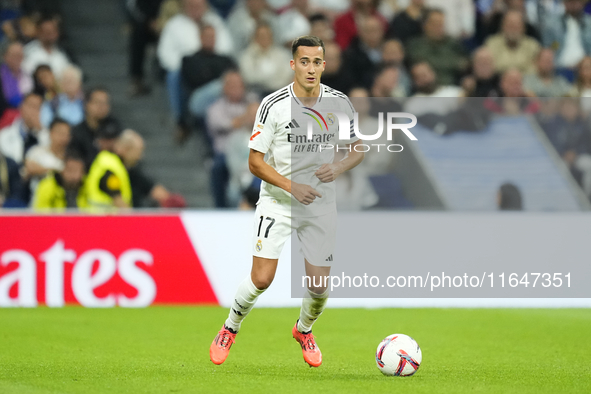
(297,192)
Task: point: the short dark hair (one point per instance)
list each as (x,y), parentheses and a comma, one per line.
(42,67)
(94,90)
(432,11)
(57,121)
(31,94)
(48,18)
(307,41)
(318,17)
(72,154)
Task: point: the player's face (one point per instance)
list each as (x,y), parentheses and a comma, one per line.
(308,64)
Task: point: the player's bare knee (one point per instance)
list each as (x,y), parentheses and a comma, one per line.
(262,281)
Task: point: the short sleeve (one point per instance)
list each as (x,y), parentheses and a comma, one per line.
(264,129)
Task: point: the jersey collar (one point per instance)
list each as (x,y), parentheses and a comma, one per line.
(292,93)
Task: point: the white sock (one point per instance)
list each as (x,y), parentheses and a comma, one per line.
(245,298)
(312,307)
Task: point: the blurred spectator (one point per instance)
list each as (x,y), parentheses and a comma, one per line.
(224,116)
(509,198)
(496,18)
(292,23)
(40,160)
(512,48)
(200,74)
(10,183)
(22,29)
(168,10)
(240,179)
(63,189)
(568,34)
(346,25)
(384,87)
(512,84)
(205,65)
(223,7)
(68,105)
(385,83)
(335,74)
(583,84)
(393,55)
(15,82)
(330,8)
(409,23)
(389,8)
(107,134)
(321,27)
(144,191)
(44,49)
(97,108)
(430,96)
(180,37)
(484,80)
(144,31)
(108,183)
(278,5)
(243,21)
(264,66)
(544,82)
(25,132)
(460,16)
(374,163)
(426,83)
(250,196)
(514,100)
(538,11)
(354,191)
(445,54)
(570,135)
(45,83)
(365,52)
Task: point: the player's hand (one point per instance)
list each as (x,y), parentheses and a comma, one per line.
(328,172)
(304,193)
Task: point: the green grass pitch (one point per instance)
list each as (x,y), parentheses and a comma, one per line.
(165,350)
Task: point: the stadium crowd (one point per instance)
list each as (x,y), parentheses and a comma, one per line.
(220,57)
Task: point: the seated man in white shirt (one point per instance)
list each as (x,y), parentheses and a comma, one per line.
(44,49)
(569,35)
(40,160)
(427,90)
(25,132)
(293,23)
(263,64)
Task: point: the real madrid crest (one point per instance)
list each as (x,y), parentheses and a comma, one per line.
(330,118)
(259,246)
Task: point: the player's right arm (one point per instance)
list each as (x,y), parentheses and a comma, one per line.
(259,168)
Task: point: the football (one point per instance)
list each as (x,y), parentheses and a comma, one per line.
(398,355)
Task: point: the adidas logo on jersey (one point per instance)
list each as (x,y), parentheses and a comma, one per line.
(292,125)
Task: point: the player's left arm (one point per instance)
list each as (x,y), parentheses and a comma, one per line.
(329,172)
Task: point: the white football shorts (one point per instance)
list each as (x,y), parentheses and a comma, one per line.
(316,235)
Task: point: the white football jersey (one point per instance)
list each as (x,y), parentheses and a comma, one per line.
(281,132)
